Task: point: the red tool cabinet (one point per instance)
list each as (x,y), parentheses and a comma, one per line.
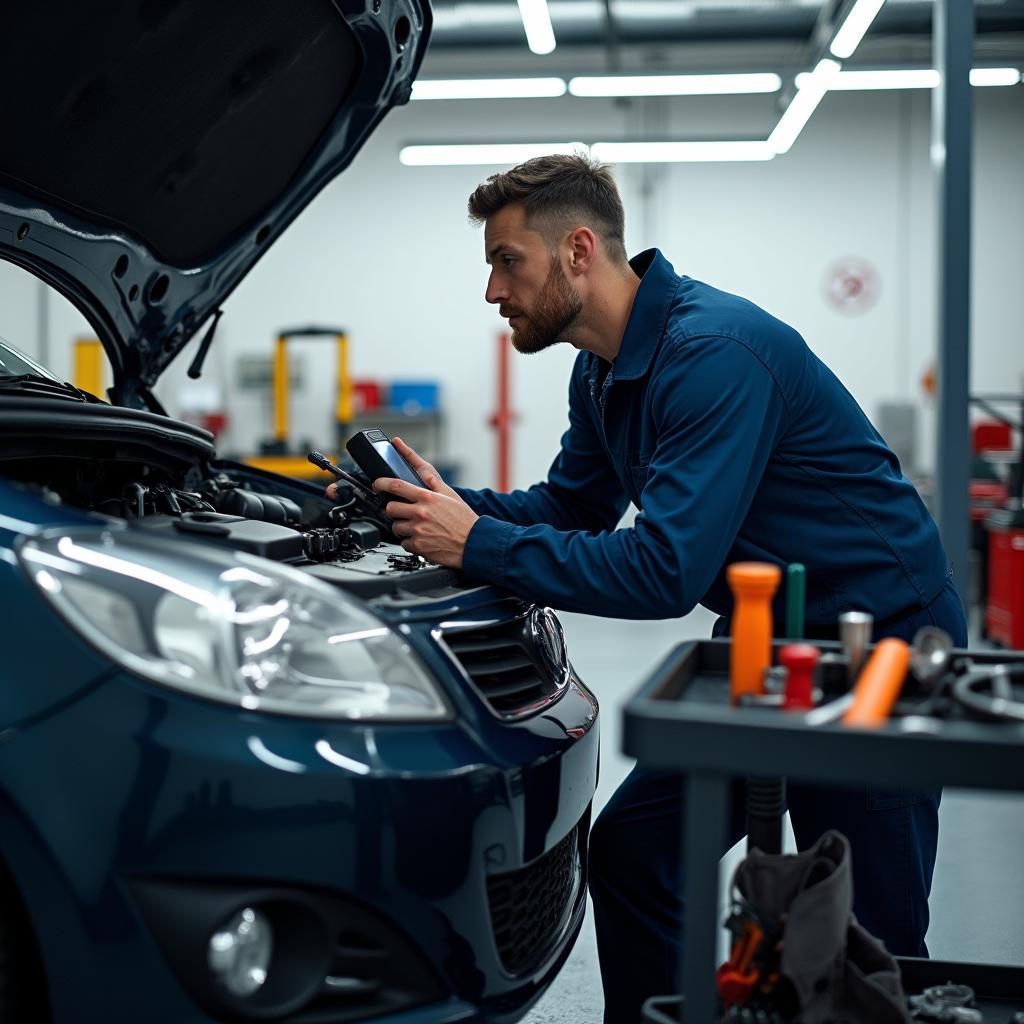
(1004,615)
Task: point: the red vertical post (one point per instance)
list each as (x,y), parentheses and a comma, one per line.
(504,417)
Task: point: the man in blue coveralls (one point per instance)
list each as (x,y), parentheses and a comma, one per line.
(735,443)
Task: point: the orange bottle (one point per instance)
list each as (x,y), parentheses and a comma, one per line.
(753,587)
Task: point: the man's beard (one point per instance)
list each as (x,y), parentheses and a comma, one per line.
(557,308)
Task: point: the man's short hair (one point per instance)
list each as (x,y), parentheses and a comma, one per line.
(558,192)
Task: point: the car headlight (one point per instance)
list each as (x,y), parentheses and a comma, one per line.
(230,626)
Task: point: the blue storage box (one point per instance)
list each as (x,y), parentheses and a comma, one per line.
(414,397)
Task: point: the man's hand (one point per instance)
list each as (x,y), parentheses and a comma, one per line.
(433,523)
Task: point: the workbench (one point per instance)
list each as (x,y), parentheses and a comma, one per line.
(681,718)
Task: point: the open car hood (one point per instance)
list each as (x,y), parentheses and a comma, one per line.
(155,148)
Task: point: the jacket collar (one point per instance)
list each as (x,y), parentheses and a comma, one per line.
(649,315)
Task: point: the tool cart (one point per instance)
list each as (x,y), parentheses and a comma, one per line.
(682,718)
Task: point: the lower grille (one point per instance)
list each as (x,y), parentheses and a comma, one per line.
(508,662)
(371,973)
(530,907)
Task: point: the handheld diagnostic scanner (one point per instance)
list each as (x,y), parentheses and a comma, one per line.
(373,452)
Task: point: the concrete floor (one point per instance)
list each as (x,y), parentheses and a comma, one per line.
(977,903)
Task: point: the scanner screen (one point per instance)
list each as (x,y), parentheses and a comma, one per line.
(389,453)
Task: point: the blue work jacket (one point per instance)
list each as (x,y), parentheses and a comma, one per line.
(736,443)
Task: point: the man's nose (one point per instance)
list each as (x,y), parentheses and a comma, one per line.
(495,292)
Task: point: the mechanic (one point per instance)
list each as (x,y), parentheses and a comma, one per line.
(735,443)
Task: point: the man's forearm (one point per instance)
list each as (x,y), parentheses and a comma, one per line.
(545,505)
(627,573)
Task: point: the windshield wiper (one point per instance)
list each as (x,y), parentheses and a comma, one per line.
(21,379)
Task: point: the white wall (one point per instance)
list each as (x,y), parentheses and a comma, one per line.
(386,251)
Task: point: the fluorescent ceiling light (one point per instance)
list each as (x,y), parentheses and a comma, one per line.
(474,15)
(804,103)
(904,78)
(995,76)
(463,14)
(540,36)
(674,85)
(907,78)
(616,152)
(857,22)
(680,152)
(499,153)
(487,88)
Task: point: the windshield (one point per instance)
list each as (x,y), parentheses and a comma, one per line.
(16,364)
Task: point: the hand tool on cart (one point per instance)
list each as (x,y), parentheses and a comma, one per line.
(855,635)
(753,586)
(796,599)
(930,654)
(946,1004)
(879,684)
(933,670)
(800,661)
(738,978)
(990,694)
(747,980)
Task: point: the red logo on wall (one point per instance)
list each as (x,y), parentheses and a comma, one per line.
(851,286)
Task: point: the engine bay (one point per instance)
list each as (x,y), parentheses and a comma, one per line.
(187,495)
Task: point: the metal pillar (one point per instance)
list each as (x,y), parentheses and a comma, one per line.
(952,144)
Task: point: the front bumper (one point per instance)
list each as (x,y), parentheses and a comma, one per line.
(131,787)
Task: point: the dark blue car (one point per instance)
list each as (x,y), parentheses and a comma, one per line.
(256,763)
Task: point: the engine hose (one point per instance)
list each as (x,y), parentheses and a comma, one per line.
(137,492)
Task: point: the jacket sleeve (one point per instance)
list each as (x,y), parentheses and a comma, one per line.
(582,491)
(719,414)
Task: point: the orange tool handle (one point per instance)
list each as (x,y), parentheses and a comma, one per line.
(736,978)
(753,585)
(880,683)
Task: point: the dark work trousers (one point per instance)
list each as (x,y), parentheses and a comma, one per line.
(637,870)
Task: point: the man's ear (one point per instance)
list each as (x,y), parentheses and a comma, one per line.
(582,244)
